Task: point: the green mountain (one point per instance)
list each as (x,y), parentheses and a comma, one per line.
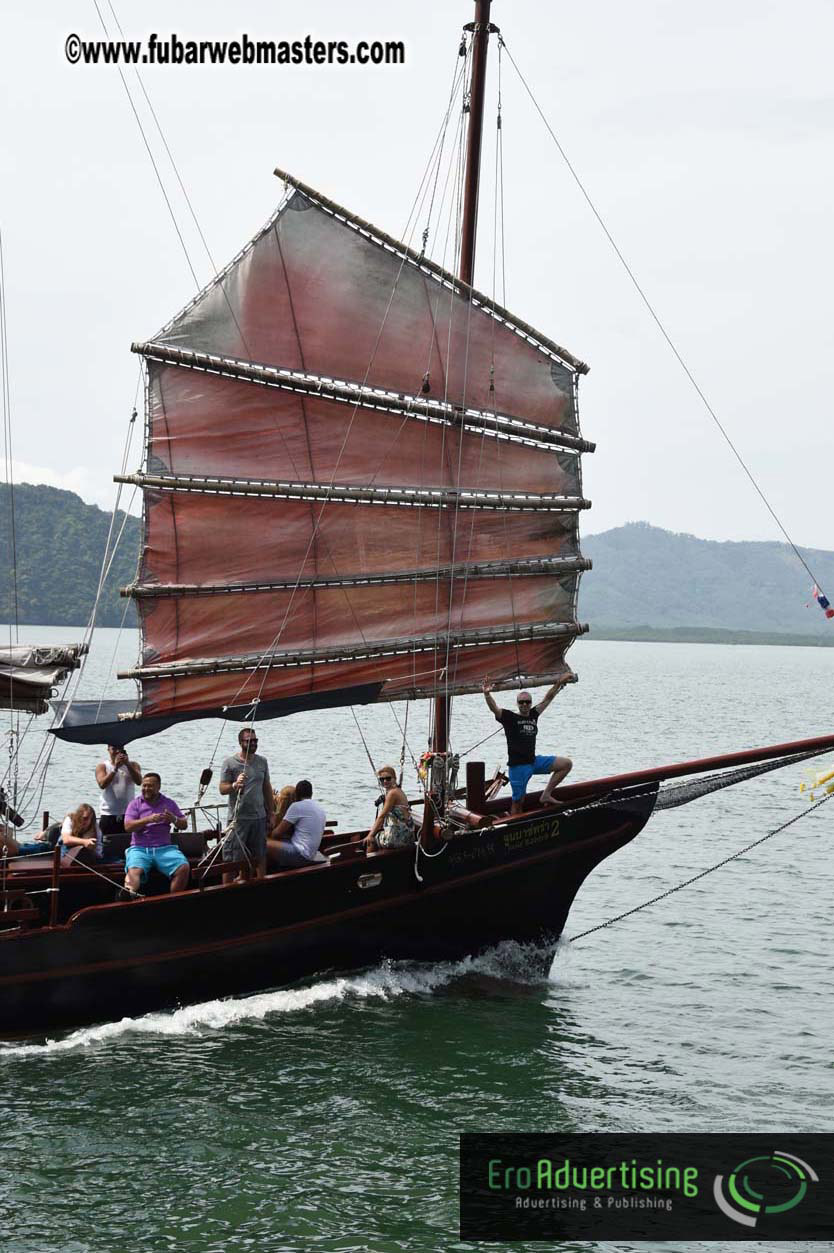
(60,544)
(646,583)
(647,577)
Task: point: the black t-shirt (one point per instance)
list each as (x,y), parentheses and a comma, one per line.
(521,731)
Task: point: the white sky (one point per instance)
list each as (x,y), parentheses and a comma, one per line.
(703,132)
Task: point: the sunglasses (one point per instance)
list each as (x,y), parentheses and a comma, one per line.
(525,702)
(385,778)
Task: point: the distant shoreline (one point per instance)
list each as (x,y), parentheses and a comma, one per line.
(704,635)
(631,634)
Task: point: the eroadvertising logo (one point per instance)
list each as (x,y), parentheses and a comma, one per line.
(647,1187)
(739,1195)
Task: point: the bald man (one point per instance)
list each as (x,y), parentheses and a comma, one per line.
(521,729)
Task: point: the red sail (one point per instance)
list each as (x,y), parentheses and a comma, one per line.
(315,522)
(203,424)
(321,293)
(408,676)
(193,538)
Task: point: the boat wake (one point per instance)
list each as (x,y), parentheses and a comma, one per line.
(510,967)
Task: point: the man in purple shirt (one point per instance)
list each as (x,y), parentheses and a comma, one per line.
(148,819)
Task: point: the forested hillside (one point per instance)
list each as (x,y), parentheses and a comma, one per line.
(60,544)
(645,576)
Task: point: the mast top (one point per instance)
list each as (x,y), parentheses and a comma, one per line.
(480,44)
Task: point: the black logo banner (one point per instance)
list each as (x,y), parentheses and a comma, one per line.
(769,1186)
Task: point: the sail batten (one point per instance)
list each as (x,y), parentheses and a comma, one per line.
(349,392)
(404,497)
(556,566)
(278,660)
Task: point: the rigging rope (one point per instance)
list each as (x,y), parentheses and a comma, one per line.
(703,873)
(491,736)
(7,451)
(152,158)
(459,204)
(364,742)
(72,683)
(658,323)
(415,763)
(14,616)
(170,155)
(267,656)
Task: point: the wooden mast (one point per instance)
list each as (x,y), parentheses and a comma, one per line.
(480,43)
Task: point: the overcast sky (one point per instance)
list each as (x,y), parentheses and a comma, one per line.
(703,133)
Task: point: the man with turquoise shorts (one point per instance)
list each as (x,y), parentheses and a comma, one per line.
(521,729)
(148,819)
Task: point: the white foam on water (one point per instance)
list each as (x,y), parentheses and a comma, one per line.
(564,972)
(522,963)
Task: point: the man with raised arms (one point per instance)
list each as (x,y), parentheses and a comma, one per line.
(521,729)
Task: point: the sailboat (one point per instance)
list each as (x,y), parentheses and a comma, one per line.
(362,485)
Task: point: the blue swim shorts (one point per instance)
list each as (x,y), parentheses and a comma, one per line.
(165,857)
(32,847)
(520,775)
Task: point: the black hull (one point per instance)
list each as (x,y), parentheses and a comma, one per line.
(516,881)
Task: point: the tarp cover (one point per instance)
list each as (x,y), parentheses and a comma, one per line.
(121,721)
(29,673)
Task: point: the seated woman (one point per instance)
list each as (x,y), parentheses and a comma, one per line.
(395,826)
(283,800)
(80,829)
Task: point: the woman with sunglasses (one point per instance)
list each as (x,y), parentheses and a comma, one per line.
(394,826)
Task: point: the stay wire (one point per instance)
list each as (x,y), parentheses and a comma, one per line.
(217,276)
(268,655)
(168,151)
(364,742)
(73,680)
(149,150)
(7,451)
(703,873)
(659,324)
(403,730)
(491,736)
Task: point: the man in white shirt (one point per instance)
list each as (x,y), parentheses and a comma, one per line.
(295,841)
(118,778)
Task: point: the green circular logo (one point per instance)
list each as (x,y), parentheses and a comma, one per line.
(770,1184)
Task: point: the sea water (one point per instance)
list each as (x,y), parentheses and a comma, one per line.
(327,1115)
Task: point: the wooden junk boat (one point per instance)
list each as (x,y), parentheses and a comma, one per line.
(361,484)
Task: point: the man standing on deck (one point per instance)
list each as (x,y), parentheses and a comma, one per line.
(149,819)
(521,729)
(118,777)
(244,778)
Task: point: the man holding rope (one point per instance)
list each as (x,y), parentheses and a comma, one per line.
(244,778)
